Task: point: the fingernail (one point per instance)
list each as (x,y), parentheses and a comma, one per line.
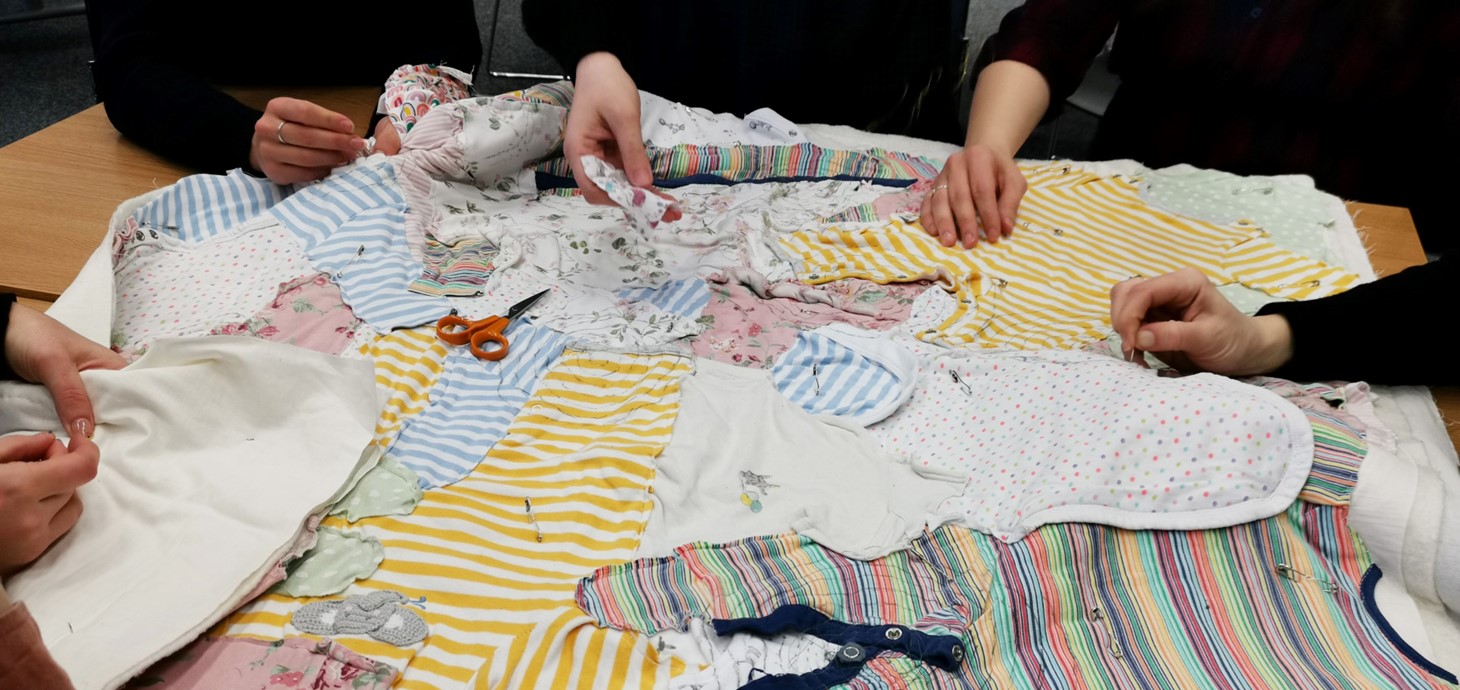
(1144,340)
(357,143)
(82,427)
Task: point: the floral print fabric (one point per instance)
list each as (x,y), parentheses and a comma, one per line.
(308,312)
(243,664)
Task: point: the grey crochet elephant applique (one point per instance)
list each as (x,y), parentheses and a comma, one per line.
(377,614)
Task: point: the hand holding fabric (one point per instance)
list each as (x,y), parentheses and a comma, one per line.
(1182,319)
(604,123)
(298,141)
(41,350)
(979,187)
(38,499)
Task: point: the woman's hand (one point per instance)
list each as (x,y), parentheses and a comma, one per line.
(1182,319)
(604,122)
(38,499)
(979,187)
(297,141)
(41,350)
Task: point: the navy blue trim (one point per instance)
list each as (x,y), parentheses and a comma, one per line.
(550,181)
(1366,592)
(941,651)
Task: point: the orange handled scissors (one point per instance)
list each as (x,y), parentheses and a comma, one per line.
(458,331)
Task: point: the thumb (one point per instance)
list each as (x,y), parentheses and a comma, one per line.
(1167,336)
(73,406)
(630,139)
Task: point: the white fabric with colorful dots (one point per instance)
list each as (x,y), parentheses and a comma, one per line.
(168,287)
(1071,436)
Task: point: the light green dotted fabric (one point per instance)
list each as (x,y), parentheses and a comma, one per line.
(1297,217)
(337,559)
(389,488)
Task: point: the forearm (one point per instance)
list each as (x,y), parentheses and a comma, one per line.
(1008,102)
(177,115)
(1401,322)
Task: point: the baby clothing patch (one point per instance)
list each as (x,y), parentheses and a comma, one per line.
(1070,436)
(642,206)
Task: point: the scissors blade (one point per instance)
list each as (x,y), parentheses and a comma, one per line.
(524,305)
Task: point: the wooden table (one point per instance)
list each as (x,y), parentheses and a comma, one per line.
(59,187)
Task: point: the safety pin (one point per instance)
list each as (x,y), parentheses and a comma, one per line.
(527,502)
(1104,621)
(959,380)
(358,253)
(1292,574)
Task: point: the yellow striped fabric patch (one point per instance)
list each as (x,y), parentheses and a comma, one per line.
(1048,286)
(500,604)
(407,364)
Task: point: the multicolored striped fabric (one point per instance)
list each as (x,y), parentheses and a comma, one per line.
(459,270)
(1049,285)
(472,403)
(736,164)
(1267,604)
(1338,440)
(823,376)
(558,93)
(200,207)
(923,588)
(499,602)
(352,225)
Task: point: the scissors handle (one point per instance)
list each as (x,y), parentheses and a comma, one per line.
(455,330)
(490,333)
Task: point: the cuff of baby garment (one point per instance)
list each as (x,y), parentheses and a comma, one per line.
(26,662)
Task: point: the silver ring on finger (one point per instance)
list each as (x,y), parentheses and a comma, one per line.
(279,132)
(939,188)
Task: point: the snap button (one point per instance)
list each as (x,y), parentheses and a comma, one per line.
(894,633)
(851,653)
(958,652)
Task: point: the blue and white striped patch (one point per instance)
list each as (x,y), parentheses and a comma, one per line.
(199,207)
(823,376)
(473,403)
(353,227)
(685,297)
(314,212)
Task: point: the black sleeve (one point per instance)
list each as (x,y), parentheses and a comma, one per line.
(6,300)
(158,104)
(570,29)
(1394,330)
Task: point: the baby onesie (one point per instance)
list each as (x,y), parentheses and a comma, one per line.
(744,461)
(1048,285)
(1069,436)
(931,588)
